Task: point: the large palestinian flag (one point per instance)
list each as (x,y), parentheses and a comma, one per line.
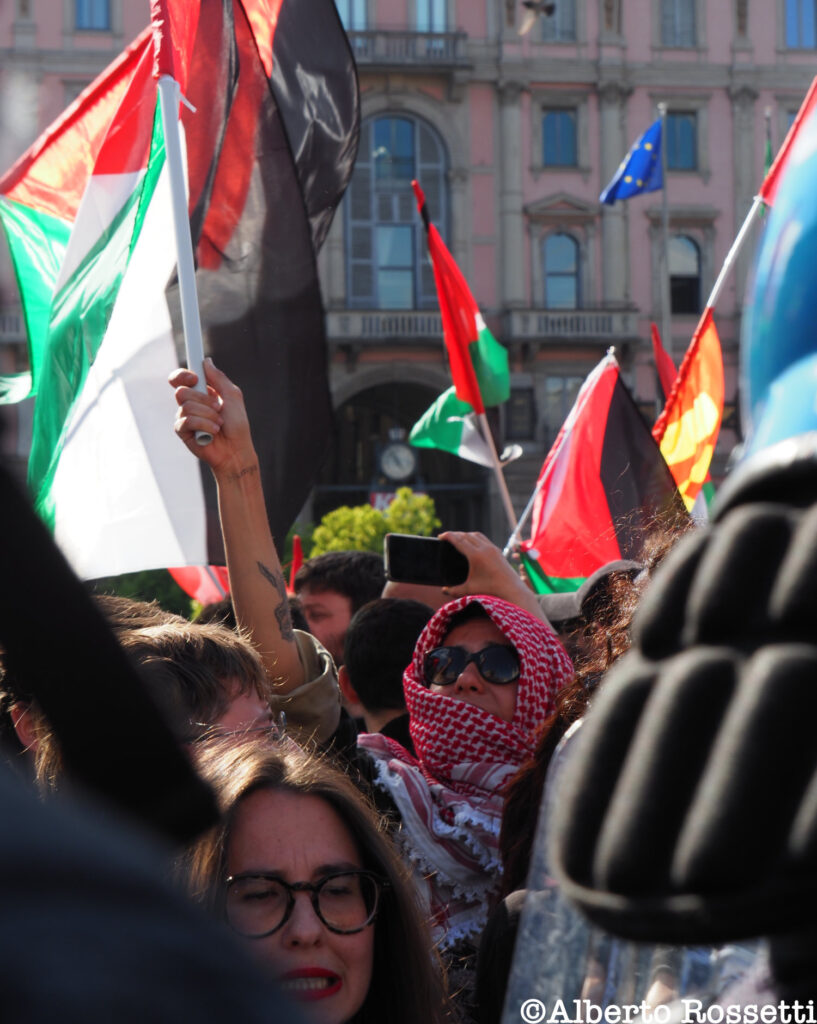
(602,484)
(269,152)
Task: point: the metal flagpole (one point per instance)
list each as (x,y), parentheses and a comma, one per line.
(666,320)
(169,97)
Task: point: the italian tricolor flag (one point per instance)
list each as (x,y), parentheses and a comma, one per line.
(87,214)
(479,364)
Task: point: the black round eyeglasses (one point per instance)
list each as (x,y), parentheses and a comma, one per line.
(257,905)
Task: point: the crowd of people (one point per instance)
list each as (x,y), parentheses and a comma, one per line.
(377,753)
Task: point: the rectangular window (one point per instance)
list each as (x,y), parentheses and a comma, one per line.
(432,15)
(520,415)
(560,26)
(352,14)
(559,138)
(801,24)
(678,23)
(93,15)
(560,394)
(682,142)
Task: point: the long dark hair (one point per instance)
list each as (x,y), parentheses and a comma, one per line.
(595,641)
(407,984)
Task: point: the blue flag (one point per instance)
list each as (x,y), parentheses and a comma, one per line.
(640,171)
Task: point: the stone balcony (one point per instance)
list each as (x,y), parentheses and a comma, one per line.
(374,326)
(419,51)
(594,326)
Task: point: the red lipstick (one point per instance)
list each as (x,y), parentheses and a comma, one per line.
(308,984)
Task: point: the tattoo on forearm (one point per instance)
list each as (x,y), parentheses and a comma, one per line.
(282,609)
(248,471)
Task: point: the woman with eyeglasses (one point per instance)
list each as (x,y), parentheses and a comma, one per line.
(482,681)
(299,868)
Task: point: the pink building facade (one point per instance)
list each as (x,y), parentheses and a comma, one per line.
(513,136)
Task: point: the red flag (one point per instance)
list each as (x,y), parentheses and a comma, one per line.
(768,189)
(174,31)
(687,429)
(297,562)
(270,152)
(663,362)
(459,311)
(204,583)
(602,482)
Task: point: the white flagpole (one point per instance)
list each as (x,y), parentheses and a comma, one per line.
(500,477)
(513,540)
(732,255)
(169,97)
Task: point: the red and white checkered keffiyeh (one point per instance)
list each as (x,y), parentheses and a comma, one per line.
(450,796)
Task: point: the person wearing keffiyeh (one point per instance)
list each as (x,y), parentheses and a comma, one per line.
(470,737)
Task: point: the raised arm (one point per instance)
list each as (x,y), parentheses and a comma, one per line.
(490,573)
(256,578)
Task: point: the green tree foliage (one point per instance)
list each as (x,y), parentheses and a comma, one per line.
(411,513)
(362,527)
(149,585)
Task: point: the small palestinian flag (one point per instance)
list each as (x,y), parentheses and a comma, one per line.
(479,364)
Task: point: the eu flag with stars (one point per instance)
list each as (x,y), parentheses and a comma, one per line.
(640,171)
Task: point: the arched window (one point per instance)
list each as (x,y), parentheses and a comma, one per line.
(684,275)
(386,251)
(678,23)
(561,265)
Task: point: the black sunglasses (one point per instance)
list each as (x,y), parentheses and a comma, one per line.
(497,664)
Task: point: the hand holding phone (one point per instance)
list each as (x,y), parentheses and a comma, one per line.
(489,572)
(425,560)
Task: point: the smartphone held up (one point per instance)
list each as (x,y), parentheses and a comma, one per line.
(425,560)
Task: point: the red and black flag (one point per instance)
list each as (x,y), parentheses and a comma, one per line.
(273,147)
(602,484)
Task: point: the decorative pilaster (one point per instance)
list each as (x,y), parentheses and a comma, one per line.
(332,264)
(615,272)
(511,219)
(460,218)
(746,174)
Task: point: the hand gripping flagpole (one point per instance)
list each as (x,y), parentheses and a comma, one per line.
(169,96)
